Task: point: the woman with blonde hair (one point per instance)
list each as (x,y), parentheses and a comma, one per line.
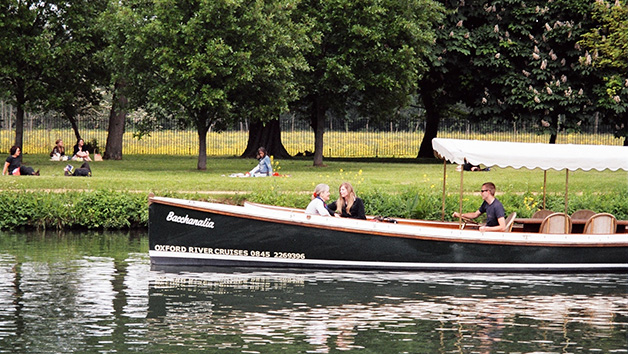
(319,197)
(348,204)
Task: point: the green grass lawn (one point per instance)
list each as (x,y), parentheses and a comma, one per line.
(159,174)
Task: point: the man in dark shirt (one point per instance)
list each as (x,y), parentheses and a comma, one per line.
(494,209)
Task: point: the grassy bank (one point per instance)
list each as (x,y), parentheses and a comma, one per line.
(115,197)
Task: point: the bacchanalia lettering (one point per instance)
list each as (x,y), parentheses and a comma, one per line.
(207,222)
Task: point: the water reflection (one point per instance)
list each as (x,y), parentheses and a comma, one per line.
(96,292)
(405,312)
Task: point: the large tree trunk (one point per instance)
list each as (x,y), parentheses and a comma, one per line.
(19,125)
(431,125)
(318,124)
(267,135)
(74,124)
(202,128)
(117,117)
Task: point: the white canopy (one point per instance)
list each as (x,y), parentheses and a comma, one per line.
(533,155)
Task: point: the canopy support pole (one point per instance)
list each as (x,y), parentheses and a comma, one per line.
(444,186)
(566,199)
(544,187)
(566,190)
(460,198)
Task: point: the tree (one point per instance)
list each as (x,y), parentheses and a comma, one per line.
(215,58)
(511,62)
(47,52)
(125,59)
(366,55)
(73,86)
(27,45)
(607,51)
(530,51)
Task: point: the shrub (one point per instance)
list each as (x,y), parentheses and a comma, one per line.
(92,210)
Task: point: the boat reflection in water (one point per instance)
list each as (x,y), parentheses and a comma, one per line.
(390,312)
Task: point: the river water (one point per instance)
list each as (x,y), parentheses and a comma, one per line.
(95,292)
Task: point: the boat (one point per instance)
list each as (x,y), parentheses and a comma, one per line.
(194,233)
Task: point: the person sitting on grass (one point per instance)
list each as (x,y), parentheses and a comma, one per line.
(58,152)
(264,167)
(80,154)
(13,164)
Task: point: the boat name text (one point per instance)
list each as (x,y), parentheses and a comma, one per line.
(229,252)
(207,222)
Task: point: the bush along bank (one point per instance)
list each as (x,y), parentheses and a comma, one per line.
(73,210)
(127,210)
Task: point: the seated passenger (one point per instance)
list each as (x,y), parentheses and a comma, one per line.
(494,209)
(317,205)
(348,205)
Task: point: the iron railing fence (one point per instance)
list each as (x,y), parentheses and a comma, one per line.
(344,137)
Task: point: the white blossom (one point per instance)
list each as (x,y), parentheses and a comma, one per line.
(537,99)
(617,99)
(543,64)
(549,90)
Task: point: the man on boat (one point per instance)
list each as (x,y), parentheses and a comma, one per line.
(494,209)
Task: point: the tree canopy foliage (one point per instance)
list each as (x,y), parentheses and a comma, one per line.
(606,47)
(213,59)
(366,56)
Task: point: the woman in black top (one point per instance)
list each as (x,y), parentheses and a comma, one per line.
(348,205)
(13,164)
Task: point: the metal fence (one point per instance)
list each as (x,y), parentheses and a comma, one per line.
(344,137)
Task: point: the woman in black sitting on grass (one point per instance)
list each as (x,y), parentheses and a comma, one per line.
(13,164)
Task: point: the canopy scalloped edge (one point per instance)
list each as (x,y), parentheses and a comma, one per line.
(532,155)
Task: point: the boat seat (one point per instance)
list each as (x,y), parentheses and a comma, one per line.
(542,214)
(582,214)
(556,223)
(601,223)
(510,220)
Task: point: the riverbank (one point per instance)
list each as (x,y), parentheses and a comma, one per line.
(118,210)
(116,196)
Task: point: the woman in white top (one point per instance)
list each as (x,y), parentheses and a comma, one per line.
(317,205)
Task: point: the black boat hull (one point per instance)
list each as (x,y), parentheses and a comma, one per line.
(185,236)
